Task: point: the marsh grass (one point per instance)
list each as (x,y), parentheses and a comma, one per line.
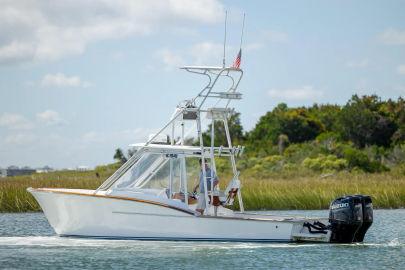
(313,192)
(15,198)
(288,190)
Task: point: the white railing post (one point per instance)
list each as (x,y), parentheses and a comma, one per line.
(232,157)
(202,159)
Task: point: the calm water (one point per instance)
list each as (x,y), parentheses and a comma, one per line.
(28,242)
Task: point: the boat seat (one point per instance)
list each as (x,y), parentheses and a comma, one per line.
(228,197)
(231,196)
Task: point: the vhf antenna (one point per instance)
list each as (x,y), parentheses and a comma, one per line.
(243,27)
(223,59)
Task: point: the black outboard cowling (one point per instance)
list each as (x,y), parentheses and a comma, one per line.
(346,218)
(367,208)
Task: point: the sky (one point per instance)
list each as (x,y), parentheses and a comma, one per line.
(79,79)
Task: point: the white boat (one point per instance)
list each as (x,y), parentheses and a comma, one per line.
(150,196)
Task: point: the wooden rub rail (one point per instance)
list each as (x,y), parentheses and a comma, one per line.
(191,212)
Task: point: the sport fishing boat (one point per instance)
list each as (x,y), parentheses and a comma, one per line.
(150,196)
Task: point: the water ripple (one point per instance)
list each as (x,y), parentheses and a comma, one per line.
(27,242)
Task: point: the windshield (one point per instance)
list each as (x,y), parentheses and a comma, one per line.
(173,173)
(160,178)
(154,171)
(137,171)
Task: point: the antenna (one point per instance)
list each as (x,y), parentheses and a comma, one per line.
(223,59)
(241,36)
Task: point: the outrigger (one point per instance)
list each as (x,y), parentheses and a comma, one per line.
(149,197)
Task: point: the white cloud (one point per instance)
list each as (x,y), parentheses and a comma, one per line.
(32,30)
(392,37)
(19,139)
(301,93)
(118,56)
(170,59)
(16,52)
(62,80)
(92,137)
(207,53)
(49,118)
(401,69)
(358,64)
(15,121)
(275,36)
(202,53)
(253,46)
(120,137)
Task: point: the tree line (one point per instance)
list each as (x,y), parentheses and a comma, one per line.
(367,133)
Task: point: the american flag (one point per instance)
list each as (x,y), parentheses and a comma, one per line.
(236,64)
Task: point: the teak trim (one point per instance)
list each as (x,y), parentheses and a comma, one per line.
(115,197)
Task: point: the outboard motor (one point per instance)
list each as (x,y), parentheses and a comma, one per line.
(346,219)
(367,208)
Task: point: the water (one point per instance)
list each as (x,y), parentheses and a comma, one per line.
(28,242)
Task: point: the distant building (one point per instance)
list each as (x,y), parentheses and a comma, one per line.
(15,171)
(83,168)
(45,169)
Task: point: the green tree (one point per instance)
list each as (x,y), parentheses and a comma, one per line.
(364,122)
(358,159)
(235,130)
(397,110)
(326,114)
(296,123)
(119,156)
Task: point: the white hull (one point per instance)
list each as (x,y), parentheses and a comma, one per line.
(81,213)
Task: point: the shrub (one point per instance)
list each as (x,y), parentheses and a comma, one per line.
(357,158)
(324,163)
(328,140)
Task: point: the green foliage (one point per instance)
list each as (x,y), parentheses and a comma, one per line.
(283,142)
(357,159)
(312,192)
(296,123)
(223,165)
(364,121)
(235,130)
(325,163)
(282,190)
(296,153)
(326,114)
(397,110)
(13,190)
(366,132)
(119,156)
(107,169)
(397,155)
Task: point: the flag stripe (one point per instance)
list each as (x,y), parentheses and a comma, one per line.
(238,59)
